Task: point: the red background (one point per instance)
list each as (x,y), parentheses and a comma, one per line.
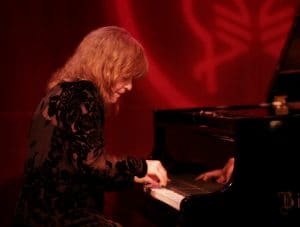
(201,53)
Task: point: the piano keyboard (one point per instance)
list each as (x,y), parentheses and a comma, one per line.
(167,196)
(180,187)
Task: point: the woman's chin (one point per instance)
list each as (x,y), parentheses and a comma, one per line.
(113,99)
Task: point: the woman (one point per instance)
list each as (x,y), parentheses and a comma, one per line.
(67,169)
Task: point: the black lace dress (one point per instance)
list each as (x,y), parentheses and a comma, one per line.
(67,169)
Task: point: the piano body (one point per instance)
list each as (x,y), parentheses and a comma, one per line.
(264,140)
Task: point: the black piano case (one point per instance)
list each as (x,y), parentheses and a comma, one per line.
(263,139)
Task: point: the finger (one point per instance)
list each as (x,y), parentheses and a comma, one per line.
(209,175)
(206,177)
(163,176)
(203,176)
(200,177)
(162,180)
(152,181)
(138,180)
(221,180)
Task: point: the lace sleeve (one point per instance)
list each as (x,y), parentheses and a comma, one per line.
(82,116)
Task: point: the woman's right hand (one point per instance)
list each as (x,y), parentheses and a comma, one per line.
(221,175)
(156,174)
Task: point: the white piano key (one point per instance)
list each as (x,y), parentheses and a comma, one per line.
(167,196)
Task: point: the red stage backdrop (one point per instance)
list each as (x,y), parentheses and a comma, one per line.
(201,53)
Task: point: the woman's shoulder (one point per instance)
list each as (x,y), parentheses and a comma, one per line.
(66,93)
(77,86)
(72,87)
(67,96)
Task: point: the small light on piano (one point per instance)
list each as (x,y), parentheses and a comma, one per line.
(275,124)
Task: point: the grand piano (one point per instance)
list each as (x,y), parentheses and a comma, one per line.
(263,139)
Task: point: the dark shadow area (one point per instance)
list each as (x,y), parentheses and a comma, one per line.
(9,192)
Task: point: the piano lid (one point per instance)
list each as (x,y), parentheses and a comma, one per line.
(287,74)
(290,56)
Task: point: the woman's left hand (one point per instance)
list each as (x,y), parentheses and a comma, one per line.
(156,174)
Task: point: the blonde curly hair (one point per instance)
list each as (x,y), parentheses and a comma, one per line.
(103,56)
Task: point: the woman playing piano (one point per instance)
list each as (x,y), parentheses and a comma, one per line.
(68,170)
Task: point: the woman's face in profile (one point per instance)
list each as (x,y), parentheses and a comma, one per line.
(121,86)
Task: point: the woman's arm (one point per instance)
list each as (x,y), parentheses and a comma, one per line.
(80,113)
